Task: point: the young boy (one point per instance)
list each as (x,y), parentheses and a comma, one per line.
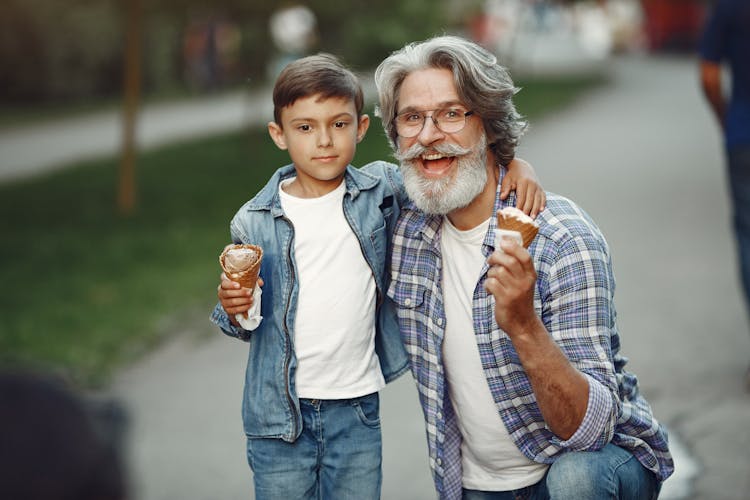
(329,339)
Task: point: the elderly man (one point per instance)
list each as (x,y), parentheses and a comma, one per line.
(515,352)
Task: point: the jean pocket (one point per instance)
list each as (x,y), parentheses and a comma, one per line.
(368,409)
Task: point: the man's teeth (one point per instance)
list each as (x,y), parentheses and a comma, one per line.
(432,156)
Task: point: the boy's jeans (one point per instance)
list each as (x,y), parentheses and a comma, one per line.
(611,472)
(337,456)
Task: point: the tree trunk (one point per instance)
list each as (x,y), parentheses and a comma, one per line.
(126,195)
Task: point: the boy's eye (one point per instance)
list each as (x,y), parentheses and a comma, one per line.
(304,128)
(340,124)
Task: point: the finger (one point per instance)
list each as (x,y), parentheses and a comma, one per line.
(528,198)
(511,262)
(540,202)
(238,305)
(241,293)
(506,186)
(226,283)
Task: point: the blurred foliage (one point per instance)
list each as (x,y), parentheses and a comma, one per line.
(72,50)
(51,49)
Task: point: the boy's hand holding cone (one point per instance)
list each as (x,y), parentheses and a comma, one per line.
(241,264)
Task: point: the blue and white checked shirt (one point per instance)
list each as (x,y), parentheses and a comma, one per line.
(573,297)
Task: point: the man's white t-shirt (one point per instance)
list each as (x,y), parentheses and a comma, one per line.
(334,329)
(489,458)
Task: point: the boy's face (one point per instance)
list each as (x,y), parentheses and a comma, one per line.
(321,136)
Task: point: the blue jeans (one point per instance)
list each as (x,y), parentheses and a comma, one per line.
(738,159)
(337,456)
(611,472)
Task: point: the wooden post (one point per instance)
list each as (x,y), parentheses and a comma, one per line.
(126,194)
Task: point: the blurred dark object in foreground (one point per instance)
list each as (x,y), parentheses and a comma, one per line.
(57,444)
(673,25)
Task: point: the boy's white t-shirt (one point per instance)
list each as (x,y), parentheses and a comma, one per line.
(489,458)
(334,329)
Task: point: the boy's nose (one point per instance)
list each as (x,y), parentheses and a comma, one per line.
(325,139)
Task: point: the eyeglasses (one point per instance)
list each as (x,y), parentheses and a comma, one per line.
(448,120)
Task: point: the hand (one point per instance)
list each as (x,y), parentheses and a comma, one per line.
(521,177)
(511,280)
(234,298)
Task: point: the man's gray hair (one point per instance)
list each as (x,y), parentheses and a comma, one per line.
(483,85)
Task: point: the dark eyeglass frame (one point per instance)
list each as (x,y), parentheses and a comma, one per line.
(431,116)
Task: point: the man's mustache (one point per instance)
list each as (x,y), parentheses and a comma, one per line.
(417,150)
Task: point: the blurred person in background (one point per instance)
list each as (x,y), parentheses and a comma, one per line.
(56,445)
(515,352)
(726,40)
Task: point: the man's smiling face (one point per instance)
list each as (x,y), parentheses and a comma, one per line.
(442,171)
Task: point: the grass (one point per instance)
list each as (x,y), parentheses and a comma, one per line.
(86,291)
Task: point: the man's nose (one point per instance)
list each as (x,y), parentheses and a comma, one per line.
(430,132)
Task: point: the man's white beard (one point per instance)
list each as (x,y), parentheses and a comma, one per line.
(444,195)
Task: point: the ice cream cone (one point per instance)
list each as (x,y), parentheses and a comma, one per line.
(512,219)
(241,263)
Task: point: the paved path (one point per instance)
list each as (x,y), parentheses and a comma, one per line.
(35,149)
(643,157)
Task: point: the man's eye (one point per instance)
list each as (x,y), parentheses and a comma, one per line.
(451,113)
(413,117)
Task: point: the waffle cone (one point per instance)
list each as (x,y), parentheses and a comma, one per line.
(528,230)
(246,277)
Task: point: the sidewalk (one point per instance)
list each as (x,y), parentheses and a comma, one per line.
(34,149)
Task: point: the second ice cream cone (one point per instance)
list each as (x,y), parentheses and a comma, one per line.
(512,219)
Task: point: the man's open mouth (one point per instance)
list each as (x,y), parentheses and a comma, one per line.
(436,164)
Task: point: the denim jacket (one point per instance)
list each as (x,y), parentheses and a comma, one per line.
(270,407)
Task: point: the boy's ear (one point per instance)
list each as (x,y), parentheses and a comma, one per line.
(362,126)
(277,134)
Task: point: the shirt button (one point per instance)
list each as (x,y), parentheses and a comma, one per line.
(440,321)
(439,461)
(407,302)
(439,416)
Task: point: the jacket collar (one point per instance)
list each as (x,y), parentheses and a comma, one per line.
(268,197)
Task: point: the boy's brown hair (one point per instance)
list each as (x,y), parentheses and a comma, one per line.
(321,74)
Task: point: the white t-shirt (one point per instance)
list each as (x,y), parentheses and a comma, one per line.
(334,330)
(490,459)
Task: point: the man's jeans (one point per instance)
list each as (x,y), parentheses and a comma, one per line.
(738,159)
(338,455)
(611,472)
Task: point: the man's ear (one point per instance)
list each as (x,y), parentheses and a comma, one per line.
(362,126)
(277,134)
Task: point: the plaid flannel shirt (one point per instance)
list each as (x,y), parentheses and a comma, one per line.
(573,297)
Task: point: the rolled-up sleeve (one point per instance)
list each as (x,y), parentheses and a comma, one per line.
(220,318)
